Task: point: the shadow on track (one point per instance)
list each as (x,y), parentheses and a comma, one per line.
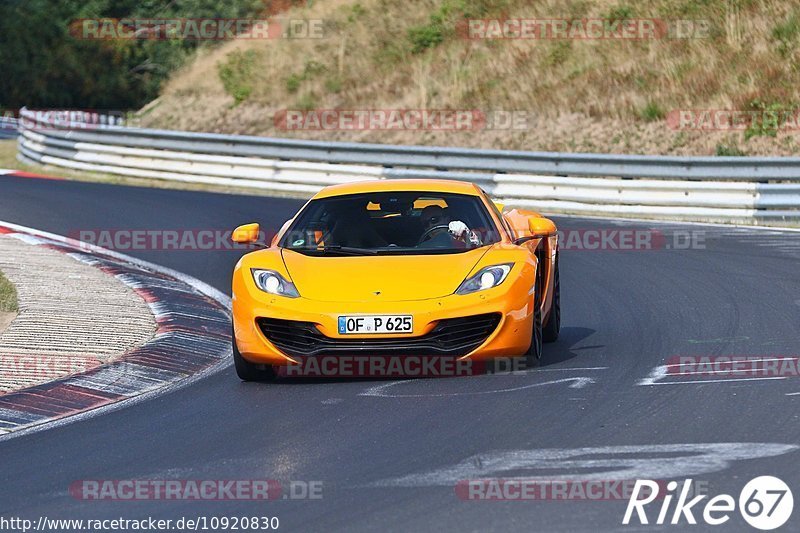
(555,353)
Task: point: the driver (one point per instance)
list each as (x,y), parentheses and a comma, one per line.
(439,230)
(435,222)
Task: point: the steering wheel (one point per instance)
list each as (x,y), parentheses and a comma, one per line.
(427,234)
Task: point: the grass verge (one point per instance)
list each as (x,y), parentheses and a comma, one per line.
(8,296)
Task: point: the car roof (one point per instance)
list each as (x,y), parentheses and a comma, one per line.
(390,185)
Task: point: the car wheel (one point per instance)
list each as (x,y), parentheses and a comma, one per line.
(248,371)
(553,326)
(534,353)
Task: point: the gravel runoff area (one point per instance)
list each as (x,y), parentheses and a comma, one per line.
(71,316)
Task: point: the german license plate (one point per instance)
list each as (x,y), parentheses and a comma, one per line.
(380,324)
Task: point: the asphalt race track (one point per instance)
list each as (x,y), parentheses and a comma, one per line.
(390,454)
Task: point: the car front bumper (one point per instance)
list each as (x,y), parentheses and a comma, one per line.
(511,302)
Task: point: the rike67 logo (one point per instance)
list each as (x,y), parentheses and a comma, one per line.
(765,503)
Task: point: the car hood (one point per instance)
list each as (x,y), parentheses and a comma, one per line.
(388,277)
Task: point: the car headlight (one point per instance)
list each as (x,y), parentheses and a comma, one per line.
(273,283)
(485,278)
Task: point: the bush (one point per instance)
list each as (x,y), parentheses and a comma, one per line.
(307,102)
(768,119)
(729,150)
(427,36)
(442,23)
(652,112)
(293,82)
(333,85)
(786,34)
(620,13)
(559,53)
(311,68)
(237,74)
(356,12)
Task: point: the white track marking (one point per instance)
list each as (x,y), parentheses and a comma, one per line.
(749,359)
(570,368)
(718,341)
(793,394)
(705,372)
(379,390)
(727,380)
(664,461)
(656,374)
(662,371)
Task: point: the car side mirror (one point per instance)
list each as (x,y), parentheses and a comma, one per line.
(541,227)
(499,206)
(246,234)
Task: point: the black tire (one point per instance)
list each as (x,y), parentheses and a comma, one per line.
(534,354)
(553,327)
(248,371)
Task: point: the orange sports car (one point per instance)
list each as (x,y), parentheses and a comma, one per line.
(397,267)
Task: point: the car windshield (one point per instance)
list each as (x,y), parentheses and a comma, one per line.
(409,223)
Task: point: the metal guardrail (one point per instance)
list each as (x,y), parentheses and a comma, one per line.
(9,128)
(730,189)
